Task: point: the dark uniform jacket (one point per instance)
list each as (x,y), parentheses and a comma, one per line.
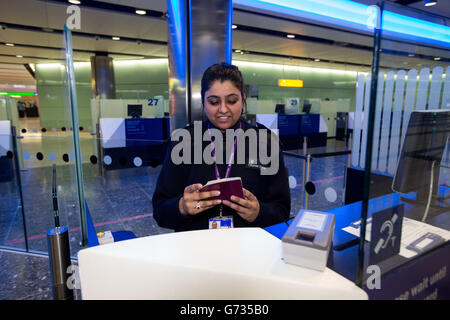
(272,191)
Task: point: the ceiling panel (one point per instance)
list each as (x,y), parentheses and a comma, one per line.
(14,74)
(158,5)
(298,48)
(33,13)
(48,14)
(249,19)
(53,15)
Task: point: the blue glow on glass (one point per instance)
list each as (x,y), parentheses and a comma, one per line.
(178,29)
(354,15)
(415,27)
(338,9)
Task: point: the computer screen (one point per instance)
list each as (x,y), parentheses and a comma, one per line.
(289,124)
(146,131)
(252,91)
(134,110)
(280,109)
(425,140)
(306,107)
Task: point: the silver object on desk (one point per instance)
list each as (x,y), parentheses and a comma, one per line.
(308,239)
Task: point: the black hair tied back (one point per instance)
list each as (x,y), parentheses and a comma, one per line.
(222,71)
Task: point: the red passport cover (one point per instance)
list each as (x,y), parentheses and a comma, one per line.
(227,187)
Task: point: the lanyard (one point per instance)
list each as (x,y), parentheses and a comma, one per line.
(216,169)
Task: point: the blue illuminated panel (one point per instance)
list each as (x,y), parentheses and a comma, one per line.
(354,15)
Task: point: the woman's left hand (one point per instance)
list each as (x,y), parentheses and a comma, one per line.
(247,208)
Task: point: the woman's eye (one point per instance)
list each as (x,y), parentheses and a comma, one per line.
(232,101)
(213,102)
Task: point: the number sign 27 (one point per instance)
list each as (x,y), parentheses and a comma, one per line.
(153,102)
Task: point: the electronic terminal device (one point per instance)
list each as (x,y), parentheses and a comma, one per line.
(308,239)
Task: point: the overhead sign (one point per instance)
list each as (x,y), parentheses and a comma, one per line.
(19,93)
(290,83)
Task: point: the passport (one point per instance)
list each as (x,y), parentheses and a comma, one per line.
(228,187)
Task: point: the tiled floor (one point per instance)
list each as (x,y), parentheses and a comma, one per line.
(117,200)
(26,276)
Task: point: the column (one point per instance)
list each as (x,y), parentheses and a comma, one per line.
(199,35)
(102,76)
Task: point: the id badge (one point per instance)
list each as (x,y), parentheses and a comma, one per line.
(221,222)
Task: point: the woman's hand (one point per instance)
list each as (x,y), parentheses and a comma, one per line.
(193,201)
(247,208)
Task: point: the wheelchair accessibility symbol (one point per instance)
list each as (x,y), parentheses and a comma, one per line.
(386,231)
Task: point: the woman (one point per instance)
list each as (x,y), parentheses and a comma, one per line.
(177,202)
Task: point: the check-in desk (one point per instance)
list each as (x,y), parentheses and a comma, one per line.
(294,127)
(124,140)
(240,263)
(400,273)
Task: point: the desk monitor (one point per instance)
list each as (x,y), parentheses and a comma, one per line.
(420,158)
(134,110)
(250,118)
(306,107)
(252,91)
(146,131)
(280,108)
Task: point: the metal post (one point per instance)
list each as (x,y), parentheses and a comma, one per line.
(308,177)
(349,147)
(305,146)
(59,258)
(99,150)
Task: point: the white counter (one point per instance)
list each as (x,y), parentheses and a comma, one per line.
(240,263)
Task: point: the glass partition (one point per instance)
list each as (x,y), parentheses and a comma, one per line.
(406,195)
(40,164)
(13,231)
(123,157)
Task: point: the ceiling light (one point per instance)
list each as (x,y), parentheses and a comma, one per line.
(437,58)
(9,44)
(18,56)
(429,3)
(237,50)
(116,38)
(411,55)
(234,26)
(141,12)
(316,60)
(290,36)
(75,1)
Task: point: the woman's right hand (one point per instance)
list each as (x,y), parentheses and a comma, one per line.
(191,197)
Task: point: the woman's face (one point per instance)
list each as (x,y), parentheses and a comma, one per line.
(223,104)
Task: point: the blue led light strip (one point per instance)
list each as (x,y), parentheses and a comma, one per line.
(354,15)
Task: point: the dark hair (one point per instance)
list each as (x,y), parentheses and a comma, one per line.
(223,71)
